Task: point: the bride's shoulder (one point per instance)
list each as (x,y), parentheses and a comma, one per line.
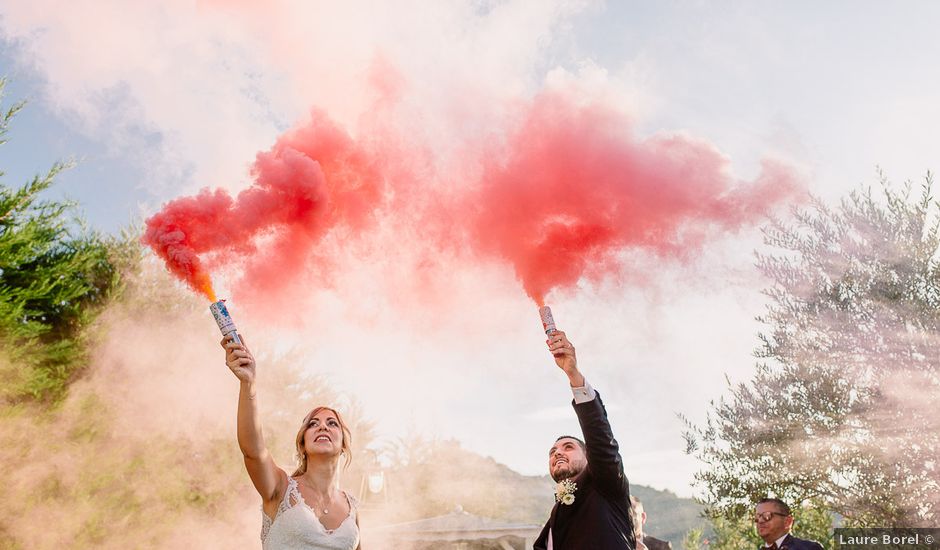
(353,501)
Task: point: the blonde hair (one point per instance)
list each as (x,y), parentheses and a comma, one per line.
(301,453)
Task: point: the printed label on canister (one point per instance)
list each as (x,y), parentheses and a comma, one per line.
(548,322)
(222,318)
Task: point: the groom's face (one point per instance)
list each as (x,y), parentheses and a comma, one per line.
(566,459)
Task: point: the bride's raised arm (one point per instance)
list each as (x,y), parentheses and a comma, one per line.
(268,479)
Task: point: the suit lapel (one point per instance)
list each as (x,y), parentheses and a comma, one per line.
(542,540)
(541,543)
(551,518)
(551,525)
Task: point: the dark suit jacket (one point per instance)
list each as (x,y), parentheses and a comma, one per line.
(599,517)
(654,543)
(793,543)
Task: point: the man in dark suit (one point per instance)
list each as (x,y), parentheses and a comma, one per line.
(639,520)
(592,508)
(774,521)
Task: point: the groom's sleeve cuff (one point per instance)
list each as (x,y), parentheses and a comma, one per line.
(584,393)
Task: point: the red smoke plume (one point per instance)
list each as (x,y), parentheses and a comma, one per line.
(568,189)
(574,187)
(314,178)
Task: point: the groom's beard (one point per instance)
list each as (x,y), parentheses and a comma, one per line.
(566,471)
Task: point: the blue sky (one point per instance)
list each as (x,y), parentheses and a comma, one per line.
(105,186)
(159,100)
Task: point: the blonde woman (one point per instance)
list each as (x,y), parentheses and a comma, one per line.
(306,510)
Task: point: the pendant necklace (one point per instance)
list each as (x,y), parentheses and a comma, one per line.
(324,510)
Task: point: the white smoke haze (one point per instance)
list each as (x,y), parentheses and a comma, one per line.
(143,451)
(195,89)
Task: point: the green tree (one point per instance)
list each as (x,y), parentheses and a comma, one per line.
(738,532)
(734,533)
(53,274)
(694,539)
(841,410)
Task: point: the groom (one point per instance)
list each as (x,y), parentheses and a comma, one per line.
(592,508)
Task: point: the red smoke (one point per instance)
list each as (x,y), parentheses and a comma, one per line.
(567,189)
(314,178)
(574,187)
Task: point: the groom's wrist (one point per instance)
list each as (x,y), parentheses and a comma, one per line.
(583,393)
(575,379)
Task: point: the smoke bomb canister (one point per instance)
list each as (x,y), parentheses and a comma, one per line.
(548,322)
(224,320)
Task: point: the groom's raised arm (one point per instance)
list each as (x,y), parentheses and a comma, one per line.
(601,448)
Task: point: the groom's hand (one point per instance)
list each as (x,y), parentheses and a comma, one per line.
(565,357)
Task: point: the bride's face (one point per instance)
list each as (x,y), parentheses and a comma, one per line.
(323,435)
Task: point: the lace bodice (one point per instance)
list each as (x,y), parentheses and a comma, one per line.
(296,527)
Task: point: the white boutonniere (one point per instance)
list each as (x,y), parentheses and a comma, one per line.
(564,491)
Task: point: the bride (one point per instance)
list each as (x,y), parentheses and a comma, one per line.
(305,510)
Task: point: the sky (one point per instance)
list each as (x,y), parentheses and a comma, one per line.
(159,100)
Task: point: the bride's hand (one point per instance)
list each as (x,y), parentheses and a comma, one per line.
(239,360)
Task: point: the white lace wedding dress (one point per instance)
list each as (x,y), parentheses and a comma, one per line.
(296,527)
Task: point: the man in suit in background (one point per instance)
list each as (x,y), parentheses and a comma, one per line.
(592,508)
(774,521)
(639,520)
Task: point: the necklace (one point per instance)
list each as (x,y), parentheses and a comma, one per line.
(324,508)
